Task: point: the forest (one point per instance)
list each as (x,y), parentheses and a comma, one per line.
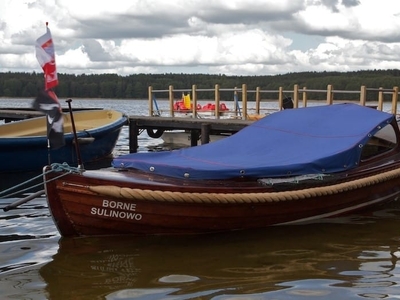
(135,86)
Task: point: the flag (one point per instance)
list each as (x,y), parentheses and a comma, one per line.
(48,103)
(46,57)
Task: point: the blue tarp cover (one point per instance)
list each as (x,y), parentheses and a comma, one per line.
(312,140)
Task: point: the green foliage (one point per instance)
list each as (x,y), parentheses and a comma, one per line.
(113,86)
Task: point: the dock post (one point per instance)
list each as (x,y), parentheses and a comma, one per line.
(244,102)
(205,133)
(217,97)
(380,99)
(133,137)
(305,96)
(395,98)
(329,94)
(363,95)
(296,95)
(194,100)
(194,137)
(150,91)
(171,100)
(258,100)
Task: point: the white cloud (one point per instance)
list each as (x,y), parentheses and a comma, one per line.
(231,37)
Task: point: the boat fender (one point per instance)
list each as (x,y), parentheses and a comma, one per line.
(84,140)
(155,134)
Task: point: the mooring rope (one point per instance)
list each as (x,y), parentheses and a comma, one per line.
(55,167)
(168,196)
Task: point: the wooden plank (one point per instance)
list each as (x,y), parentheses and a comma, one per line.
(171,123)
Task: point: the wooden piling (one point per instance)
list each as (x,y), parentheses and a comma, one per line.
(194,137)
(205,134)
(133,137)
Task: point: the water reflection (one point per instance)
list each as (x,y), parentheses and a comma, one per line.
(335,260)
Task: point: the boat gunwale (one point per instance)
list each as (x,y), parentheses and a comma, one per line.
(225,195)
(34,134)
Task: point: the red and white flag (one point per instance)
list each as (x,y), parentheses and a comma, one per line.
(47,100)
(45,55)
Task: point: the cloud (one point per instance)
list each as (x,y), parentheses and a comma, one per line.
(95,51)
(235,37)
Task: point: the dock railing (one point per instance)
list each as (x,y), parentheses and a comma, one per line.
(241,108)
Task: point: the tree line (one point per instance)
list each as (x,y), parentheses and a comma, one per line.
(135,86)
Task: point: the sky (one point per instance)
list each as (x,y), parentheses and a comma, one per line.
(231,37)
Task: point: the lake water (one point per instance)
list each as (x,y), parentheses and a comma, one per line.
(356,257)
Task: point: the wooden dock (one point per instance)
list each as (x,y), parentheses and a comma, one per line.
(202,128)
(159,121)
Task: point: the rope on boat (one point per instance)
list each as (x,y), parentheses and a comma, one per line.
(4,194)
(168,196)
(55,167)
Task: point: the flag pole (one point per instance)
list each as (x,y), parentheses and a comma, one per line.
(78,151)
(48,140)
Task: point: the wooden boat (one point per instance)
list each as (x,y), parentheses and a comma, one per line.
(295,166)
(24,145)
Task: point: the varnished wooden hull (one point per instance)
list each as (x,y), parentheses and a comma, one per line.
(107,202)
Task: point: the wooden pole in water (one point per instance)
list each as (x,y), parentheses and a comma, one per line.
(133,137)
(205,133)
(194,137)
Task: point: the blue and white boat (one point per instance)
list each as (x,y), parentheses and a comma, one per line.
(24,144)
